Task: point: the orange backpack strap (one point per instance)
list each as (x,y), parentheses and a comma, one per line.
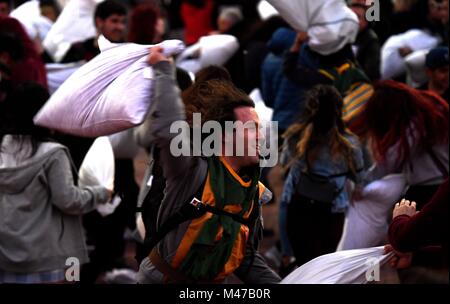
(343,68)
(327,74)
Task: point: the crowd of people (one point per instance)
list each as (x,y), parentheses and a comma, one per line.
(346,118)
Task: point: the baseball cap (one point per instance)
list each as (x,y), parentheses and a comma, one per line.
(437,57)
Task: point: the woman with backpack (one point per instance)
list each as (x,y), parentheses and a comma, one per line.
(40,206)
(323,155)
(408,133)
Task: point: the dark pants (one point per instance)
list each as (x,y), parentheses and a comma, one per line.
(312,228)
(105,234)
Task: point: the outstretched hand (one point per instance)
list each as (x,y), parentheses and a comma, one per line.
(404,207)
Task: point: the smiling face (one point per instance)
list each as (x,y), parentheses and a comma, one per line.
(113,27)
(251,136)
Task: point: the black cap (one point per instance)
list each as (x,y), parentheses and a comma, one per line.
(437,57)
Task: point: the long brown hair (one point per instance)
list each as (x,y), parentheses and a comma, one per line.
(321,124)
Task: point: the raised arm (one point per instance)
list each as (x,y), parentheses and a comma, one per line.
(409,233)
(166,109)
(297,73)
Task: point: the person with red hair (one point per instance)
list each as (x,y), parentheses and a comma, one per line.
(408,132)
(30,67)
(147,24)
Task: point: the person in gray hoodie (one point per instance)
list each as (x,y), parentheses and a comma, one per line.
(40,206)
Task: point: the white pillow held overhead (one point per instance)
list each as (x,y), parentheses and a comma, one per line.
(330,24)
(109,94)
(57,73)
(394,65)
(74,24)
(36,25)
(210,50)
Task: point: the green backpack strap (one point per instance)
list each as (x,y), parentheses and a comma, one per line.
(345,76)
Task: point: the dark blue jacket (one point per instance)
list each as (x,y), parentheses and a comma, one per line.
(278,92)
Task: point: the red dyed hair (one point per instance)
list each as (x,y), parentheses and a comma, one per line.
(399,115)
(143,20)
(31,67)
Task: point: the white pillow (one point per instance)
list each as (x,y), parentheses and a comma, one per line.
(97,168)
(266,10)
(209,50)
(29,15)
(74,24)
(392,64)
(57,73)
(367,220)
(416,68)
(342,267)
(109,94)
(330,23)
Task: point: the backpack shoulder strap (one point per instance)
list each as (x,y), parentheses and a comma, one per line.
(344,67)
(187,212)
(328,74)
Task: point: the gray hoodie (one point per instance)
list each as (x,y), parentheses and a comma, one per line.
(40,208)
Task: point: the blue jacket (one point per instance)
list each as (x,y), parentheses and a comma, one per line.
(278,92)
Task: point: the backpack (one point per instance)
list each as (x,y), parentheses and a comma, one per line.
(190,210)
(356,89)
(155,195)
(316,188)
(151,203)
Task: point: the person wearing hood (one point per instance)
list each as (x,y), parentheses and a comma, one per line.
(40,206)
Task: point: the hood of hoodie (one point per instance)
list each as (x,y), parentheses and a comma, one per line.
(281,41)
(17,171)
